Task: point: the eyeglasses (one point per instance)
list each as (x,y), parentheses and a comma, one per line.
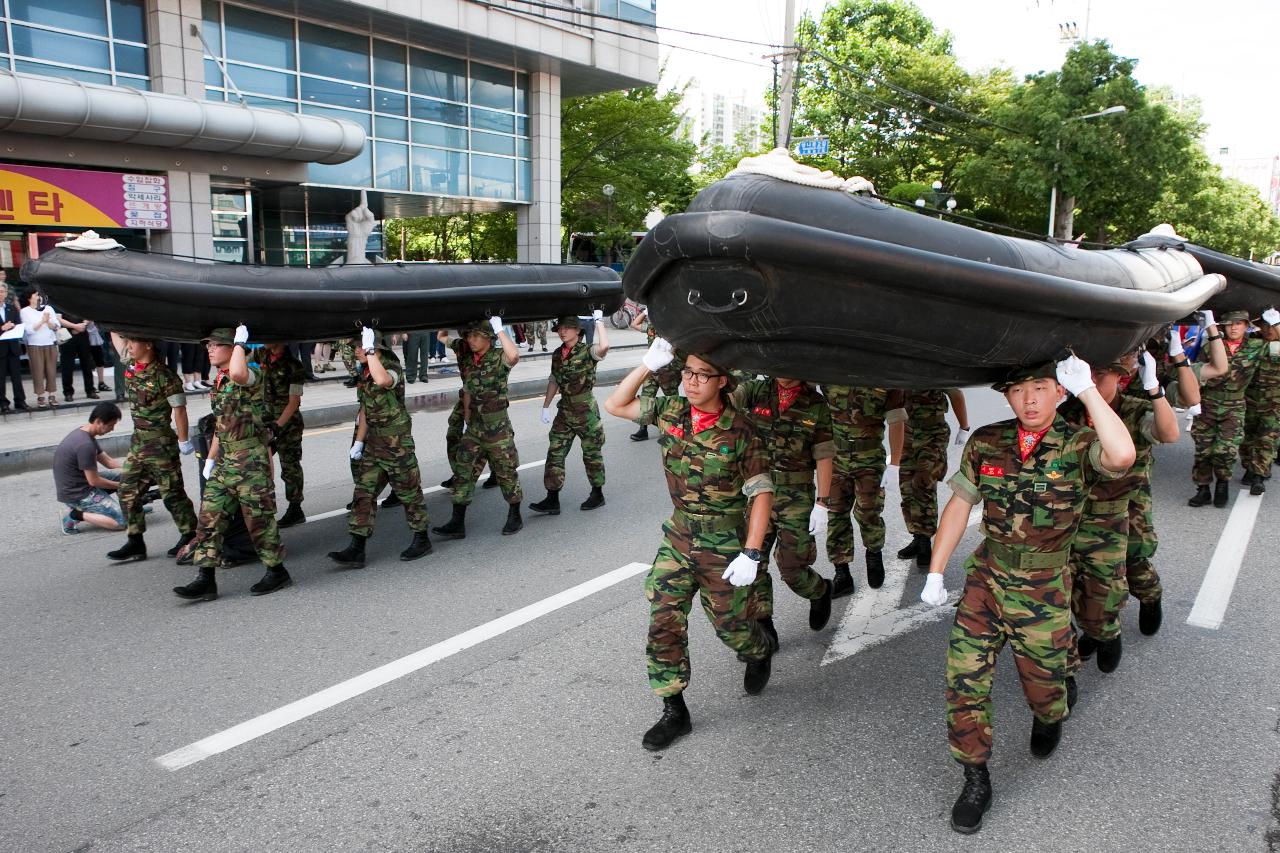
(701,377)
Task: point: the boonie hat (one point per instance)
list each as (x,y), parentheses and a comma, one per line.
(1047,370)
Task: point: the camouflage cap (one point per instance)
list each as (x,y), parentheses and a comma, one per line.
(1233,317)
(569,320)
(480,327)
(225,335)
(1047,370)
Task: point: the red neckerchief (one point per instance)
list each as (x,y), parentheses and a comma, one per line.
(704,420)
(1125,382)
(1027,441)
(217,383)
(476,356)
(564,351)
(273,357)
(787,396)
(136,368)
(1233,346)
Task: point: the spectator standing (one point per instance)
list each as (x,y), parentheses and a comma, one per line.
(71,349)
(88,494)
(10,352)
(41,324)
(195,365)
(437,345)
(417,356)
(96,351)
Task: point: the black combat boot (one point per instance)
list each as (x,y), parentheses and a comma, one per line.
(292,516)
(924,554)
(391,500)
(1109,652)
(1073,692)
(1044,737)
(276,578)
(594,500)
(875,569)
(514,522)
(419,547)
(1247,479)
(771,633)
(1221,491)
(1150,615)
(350,382)
(182,543)
(352,556)
(757,674)
(447,484)
(1257,487)
(842,583)
(550,505)
(457,526)
(133,549)
(204,587)
(974,800)
(911,550)
(674,723)
(1086,646)
(492,482)
(820,608)
(641,434)
(1201,497)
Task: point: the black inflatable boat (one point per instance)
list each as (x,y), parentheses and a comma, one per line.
(770,276)
(1251,286)
(162,297)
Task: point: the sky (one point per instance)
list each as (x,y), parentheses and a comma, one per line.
(1219,51)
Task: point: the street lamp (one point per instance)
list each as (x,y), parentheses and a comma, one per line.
(935,197)
(1057,151)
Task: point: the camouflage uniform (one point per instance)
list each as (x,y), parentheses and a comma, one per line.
(711,475)
(242,478)
(577,415)
(1262,414)
(795,438)
(346,351)
(857,419)
(153,458)
(283,376)
(1099,588)
(453,433)
(1016,588)
(1219,428)
(924,459)
(668,377)
(388,452)
(488,432)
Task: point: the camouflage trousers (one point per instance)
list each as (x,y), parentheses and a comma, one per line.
(346,352)
(1099,588)
(1217,432)
(795,547)
(1027,608)
(690,563)
(289,452)
(582,422)
(1143,581)
(487,437)
(924,465)
(241,482)
(1261,435)
(154,462)
(855,486)
(668,379)
(387,459)
(453,436)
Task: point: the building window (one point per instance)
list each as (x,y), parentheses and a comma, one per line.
(438,124)
(97,41)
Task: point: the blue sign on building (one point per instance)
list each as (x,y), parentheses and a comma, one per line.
(813,147)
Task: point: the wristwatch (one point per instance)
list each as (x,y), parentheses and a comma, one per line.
(1157,392)
(1213,337)
(752,554)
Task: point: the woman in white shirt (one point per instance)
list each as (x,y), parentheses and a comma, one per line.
(42,348)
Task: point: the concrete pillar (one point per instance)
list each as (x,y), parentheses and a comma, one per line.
(538,223)
(190,231)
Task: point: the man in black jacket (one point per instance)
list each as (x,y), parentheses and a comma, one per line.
(10,352)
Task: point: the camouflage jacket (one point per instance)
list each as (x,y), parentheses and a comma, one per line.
(1034,505)
(384,410)
(574,374)
(238,409)
(713,472)
(1139,417)
(796,438)
(927,411)
(857,416)
(1240,370)
(282,377)
(485,380)
(1265,387)
(153,392)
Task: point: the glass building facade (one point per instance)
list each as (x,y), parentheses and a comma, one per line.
(438,124)
(98,41)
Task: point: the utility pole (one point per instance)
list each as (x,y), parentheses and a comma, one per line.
(786,94)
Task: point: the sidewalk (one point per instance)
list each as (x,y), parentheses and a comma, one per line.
(28,440)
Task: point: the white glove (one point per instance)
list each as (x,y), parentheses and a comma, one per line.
(1193,411)
(962,437)
(818,520)
(1175,343)
(934,592)
(208,467)
(597,315)
(242,334)
(357,449)
(890,475)
(495,323)
(546,414)
(659,355)
(185,447)
(1271,317)
(1147,370)
(742,571)
(1075,375)
(1206,320)
(367,339)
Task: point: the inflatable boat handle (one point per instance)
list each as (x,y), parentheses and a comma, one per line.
(739,298)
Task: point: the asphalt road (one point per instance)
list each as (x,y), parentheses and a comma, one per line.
(529,738)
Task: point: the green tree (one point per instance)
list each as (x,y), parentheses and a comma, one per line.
(466,236)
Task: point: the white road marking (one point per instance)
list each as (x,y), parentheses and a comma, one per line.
(293,712)
(1220,578)
(430,490)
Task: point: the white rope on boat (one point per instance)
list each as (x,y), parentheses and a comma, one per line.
(778,164)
